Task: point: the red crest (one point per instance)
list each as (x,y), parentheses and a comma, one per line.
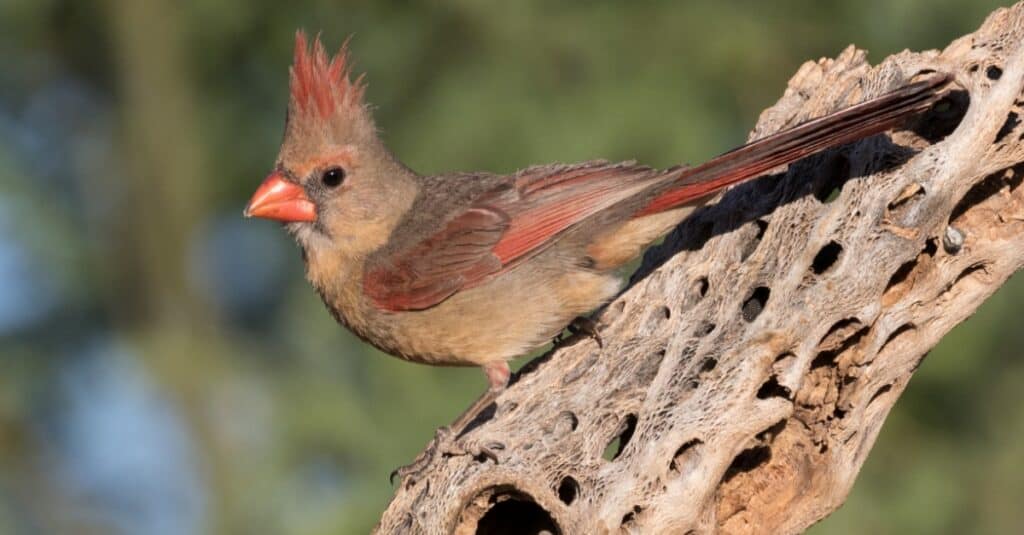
(320,84)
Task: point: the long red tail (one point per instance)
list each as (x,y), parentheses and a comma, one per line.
(757,157)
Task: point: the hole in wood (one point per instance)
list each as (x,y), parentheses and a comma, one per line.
(879,393)
(681,455)
(705,328)
(783,356)
(840,331)
(748,460)
(629,518)
(755,304)
(982,192)
(907,329)
(701,286)
(826,257)
(568,489)
(899,277)
(903,279)
(943,118)
(566,422)
(783,363)
(993,72)
(516,509)
(762,226)
(1012,121)
(843,335)
(822,359)
(666,312)
(617,444)
(771,432)
(971,271)
(648,369)
(614,312)
(772,389)
(904,200)
(696,292)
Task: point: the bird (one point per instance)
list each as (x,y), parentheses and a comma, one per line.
(477,268)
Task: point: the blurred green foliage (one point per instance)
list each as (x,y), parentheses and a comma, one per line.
(133,132)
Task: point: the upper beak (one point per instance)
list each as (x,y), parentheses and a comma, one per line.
(281,200)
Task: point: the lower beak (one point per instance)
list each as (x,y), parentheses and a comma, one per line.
(280,200)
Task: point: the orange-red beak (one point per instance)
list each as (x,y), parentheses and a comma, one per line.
(280,200)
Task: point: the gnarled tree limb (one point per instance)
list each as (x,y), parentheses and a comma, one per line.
(749,368)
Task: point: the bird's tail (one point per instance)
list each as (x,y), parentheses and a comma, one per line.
(757,157)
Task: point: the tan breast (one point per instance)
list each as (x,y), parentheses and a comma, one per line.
(504,318)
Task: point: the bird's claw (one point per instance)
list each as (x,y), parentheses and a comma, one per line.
(442,438)
(444,445)
(581,327)
(483,452)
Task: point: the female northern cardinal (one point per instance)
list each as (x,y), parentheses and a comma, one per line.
(477,268)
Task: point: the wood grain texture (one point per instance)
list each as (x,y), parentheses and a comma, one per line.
(749,367)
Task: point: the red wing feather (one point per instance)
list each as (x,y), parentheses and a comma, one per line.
(501,229)
(550,203)
(859,121)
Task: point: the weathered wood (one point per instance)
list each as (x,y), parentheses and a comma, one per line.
(750,367)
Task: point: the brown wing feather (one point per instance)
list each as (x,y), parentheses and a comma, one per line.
(502,228)
(440,265)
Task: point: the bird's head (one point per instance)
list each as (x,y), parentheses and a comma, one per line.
(334,184)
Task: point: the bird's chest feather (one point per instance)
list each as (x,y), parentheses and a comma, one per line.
(337,282)
(504,318)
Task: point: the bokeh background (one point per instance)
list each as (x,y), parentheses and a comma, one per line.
(164,367)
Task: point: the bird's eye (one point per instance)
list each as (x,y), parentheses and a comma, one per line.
(333,177)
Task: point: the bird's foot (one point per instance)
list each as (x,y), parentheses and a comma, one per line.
(580,328)
(444,444)
(449,443)
(479,452)
(442,438)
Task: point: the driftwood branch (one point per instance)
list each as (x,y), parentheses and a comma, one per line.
(747,371)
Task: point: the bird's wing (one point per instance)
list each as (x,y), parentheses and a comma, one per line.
(500,229)
(512,224)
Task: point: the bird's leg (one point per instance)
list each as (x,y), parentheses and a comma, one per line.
(444,439)
(497,380)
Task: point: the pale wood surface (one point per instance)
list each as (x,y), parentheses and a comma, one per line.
(759,350)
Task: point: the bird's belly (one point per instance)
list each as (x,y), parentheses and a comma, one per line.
(499,320)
